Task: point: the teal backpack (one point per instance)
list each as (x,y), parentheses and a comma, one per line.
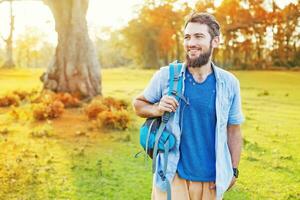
(153,136)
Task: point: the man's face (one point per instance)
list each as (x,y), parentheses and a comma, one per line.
(197,44)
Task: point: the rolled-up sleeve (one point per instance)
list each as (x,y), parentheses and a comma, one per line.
(235,113)
(153,91)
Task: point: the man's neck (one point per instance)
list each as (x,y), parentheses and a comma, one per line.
(200,73)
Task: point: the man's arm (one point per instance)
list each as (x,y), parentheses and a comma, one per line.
(151,103)
(234,141)
(144,108)
(234,135)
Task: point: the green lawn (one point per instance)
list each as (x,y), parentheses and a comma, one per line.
(101,164)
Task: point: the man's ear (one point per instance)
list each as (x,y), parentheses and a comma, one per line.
(216,41)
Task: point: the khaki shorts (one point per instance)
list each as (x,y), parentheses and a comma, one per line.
(186,190)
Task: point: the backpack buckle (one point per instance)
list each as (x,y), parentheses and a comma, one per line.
(165,117)
(162,176)
(176,78)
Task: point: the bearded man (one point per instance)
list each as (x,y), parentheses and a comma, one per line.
(204,163)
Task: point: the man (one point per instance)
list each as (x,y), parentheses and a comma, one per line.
(207,129)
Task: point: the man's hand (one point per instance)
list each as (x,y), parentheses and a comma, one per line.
(143,108)
(167,104)
(212,186)
(232,183)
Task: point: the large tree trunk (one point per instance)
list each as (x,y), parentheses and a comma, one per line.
(75,67)
(9,63)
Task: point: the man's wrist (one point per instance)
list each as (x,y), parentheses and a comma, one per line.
(157,112)
(235,172)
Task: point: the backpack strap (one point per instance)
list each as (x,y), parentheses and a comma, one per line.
(175,86)
(174,71)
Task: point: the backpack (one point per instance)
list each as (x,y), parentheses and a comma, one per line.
(153,136)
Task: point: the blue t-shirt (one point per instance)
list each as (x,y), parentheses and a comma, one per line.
(198,121)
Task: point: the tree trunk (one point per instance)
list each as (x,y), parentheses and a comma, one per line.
(178,45)
(151,57)
(9,63)
(75,67)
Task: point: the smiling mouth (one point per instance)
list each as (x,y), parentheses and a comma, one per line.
(194,51)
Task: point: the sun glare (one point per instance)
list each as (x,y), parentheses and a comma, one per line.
(113,14)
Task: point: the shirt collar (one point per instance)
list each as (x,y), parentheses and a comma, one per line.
(214,67)
(216,71)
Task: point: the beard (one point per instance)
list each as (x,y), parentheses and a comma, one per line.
(201,60)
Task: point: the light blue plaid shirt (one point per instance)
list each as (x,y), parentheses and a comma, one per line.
(228,111)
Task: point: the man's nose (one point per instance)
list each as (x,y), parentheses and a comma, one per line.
(192,42)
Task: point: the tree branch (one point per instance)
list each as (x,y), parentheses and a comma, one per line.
(5,40)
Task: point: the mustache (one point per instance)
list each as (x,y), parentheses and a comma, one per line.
(193,48)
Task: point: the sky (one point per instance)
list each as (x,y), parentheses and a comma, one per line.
(101,13)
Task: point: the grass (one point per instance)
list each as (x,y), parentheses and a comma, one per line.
(101,165)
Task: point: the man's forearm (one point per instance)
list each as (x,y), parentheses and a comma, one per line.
(146,110)
(235,143)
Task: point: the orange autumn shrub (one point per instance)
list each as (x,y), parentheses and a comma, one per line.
(44,97)
(21,94)
(117,104)
(48,110)
(108,113)
(67,99)
(15,97)
(56,109)
(113,119)
(9,100)
(94,108)
(40,111)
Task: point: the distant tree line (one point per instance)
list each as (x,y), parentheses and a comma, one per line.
(255,34)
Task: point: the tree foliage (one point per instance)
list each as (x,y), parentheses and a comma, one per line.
(255,34)
(32,49)
(154,38)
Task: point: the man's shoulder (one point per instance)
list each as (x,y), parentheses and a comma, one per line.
(163,73)
(164,69)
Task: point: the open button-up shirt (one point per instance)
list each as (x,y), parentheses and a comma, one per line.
(228,111)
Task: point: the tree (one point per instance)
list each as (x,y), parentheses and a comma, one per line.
(155,36)
(9,63)
(75,67)
(32,49)
(286,36)
(112,52)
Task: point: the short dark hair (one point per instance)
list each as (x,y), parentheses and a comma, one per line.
(205,18)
